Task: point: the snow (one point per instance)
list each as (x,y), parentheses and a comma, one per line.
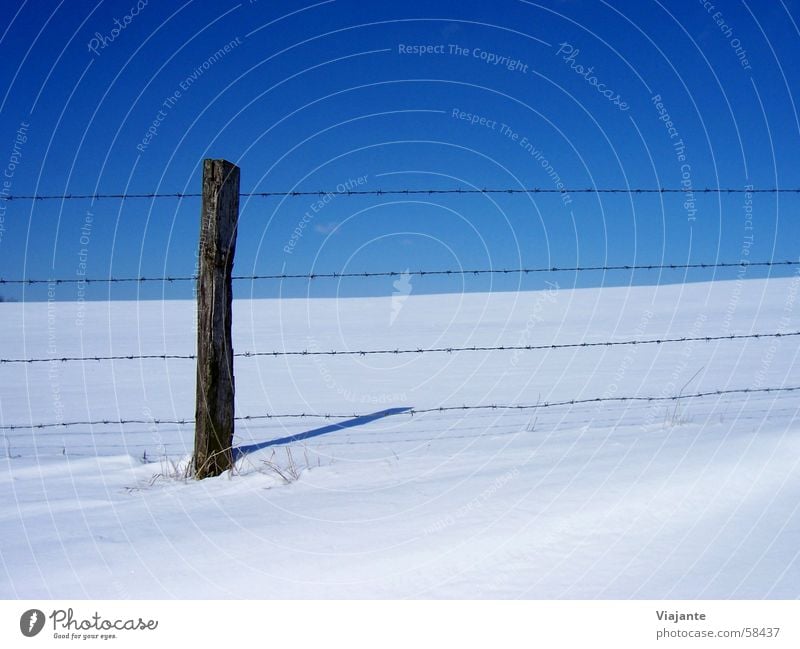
(611,500)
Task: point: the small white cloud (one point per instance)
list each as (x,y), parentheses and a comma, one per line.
(326,228)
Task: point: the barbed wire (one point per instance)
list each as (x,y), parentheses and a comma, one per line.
(407,192)
(415,350)
(412,411)
(416,273)
(754,413)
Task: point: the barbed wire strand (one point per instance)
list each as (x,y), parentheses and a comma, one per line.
(430,191)
(420,273)
(413,411)
(755,414)
(417,350)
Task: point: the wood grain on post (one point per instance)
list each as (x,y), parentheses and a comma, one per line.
(213,438)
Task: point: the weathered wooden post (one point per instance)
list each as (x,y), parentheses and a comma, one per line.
(213,437)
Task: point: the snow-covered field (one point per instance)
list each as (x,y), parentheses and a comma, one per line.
(690,499)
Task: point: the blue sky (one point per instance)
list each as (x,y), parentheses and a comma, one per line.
(306,96)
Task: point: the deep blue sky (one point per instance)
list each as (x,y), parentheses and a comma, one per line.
(310,96)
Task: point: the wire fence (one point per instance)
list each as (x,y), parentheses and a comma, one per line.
(418,273)
(433,272)
(414,411)
(415,350)
(413,191)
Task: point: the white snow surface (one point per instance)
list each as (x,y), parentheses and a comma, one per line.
(692,499)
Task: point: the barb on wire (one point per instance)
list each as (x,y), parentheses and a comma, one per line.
(409,192)
(574,402)
(477,348)
(418,273)
(414,411)
(119,357)
(94,197)
(412,350)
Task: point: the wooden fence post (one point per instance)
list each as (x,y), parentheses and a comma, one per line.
(214,415)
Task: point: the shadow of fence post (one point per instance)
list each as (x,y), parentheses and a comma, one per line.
(241,451)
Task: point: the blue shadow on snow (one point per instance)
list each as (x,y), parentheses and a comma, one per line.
(240,451)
